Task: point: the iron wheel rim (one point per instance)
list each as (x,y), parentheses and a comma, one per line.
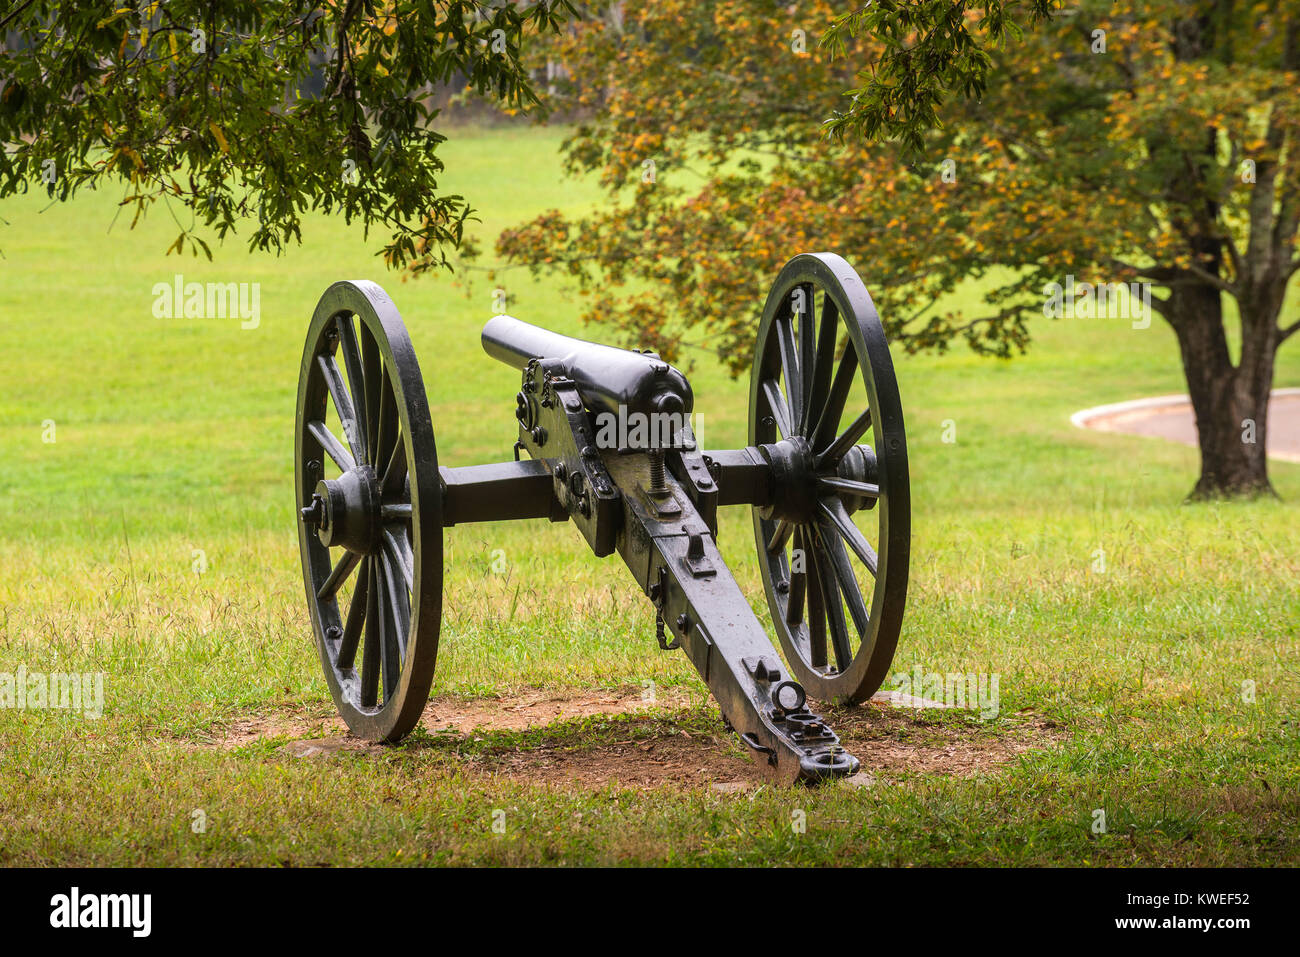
(377,701)
(828,676)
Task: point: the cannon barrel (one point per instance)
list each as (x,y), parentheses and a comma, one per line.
(605,376)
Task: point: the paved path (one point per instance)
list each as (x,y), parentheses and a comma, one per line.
(1170,417)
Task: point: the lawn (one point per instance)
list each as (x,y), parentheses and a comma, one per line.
(1147,650)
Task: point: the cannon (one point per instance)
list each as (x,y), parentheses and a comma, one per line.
(824,473)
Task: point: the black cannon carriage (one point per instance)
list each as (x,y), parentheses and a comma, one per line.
(824,472)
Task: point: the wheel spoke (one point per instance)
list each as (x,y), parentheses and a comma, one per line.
(350,350)
(833,509)
(370,653)
(401,608)
(798,585)
(845,440)
(807,353)
(356,618)
(343,405)
(396,621)
(332,446)
(839,631)
(388,423)
(816,606)
(780,411)
(790,369)
(820,377)
(833,410)
(840,486)
(338,575)
(395,470)
(838,559)
(399,550)
(372,371)
(780,536)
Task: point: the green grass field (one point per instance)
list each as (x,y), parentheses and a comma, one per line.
(1121,690)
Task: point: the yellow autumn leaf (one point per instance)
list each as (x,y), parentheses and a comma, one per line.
(219,137)
(118,14)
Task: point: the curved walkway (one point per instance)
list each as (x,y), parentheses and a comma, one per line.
(1170,417)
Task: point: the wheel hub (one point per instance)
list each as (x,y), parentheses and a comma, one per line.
(794,481)
(794,478)
(858,465)
(346,511)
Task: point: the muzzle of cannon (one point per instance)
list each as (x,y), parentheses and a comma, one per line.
(824,474)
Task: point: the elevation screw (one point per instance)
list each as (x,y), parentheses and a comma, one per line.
(658,483)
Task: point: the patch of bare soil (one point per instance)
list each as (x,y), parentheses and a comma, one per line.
(887,735)
(888,739)
(452,713)
(681,758)
(289,723)
(535,709)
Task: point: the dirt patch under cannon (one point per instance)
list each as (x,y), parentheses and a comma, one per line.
(545,737)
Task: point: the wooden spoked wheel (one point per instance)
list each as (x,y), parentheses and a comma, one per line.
(370,508)
(833,544)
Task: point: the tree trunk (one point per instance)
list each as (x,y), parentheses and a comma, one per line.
(1230,402)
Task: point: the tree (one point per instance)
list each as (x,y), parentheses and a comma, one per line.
(1149,142)
(198,104)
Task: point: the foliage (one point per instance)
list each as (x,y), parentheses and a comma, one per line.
(201,105)
(929,48)
(1123,163)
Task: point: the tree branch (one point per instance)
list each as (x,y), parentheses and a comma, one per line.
(1211,279)
(13,14)
(1172,275)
